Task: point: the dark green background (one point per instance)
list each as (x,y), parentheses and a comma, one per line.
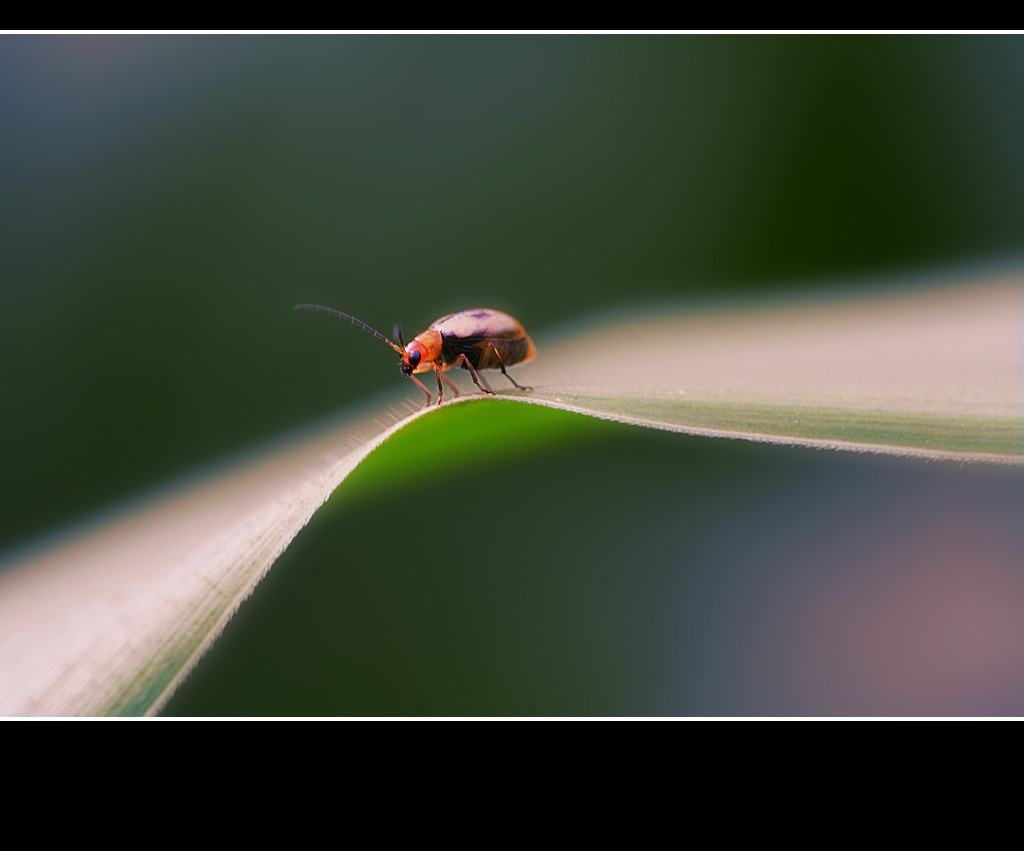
(167,199)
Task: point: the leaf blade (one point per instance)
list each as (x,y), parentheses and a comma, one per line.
(109,621)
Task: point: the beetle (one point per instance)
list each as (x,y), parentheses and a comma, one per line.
(471,339)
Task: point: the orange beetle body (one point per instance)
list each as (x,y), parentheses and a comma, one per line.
(471,339)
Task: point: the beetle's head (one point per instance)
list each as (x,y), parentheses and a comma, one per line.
(415,358)
(409,362)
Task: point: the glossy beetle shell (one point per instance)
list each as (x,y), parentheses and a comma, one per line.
(488,338)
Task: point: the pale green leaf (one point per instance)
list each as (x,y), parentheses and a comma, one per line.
(109,620)
(933,373)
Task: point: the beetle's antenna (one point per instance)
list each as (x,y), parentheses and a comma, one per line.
(354,321)
(398,333)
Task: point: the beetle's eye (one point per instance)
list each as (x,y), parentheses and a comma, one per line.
(414,359)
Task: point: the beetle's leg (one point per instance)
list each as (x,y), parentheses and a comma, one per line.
(440,390)
(423,388)
(476,378)
(509,377)
(450,383)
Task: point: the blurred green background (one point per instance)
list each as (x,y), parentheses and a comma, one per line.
(168,199)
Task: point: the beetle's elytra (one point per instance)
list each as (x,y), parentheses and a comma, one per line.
(472,339)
